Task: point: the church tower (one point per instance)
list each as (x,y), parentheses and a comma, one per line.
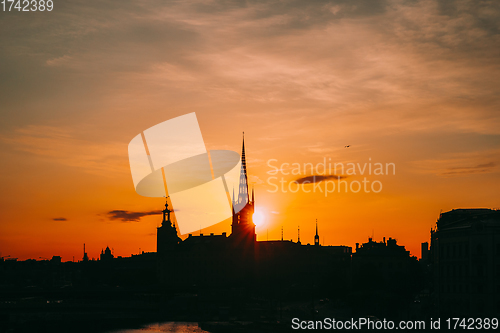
(85,256)
(242,227)
(166,235)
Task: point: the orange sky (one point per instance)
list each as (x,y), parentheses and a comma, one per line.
(410,83)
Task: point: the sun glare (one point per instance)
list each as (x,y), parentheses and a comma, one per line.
(258,218)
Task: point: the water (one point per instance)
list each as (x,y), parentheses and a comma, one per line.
(171,326)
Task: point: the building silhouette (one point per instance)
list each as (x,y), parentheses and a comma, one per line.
(424,252)
(85,256)
(465,259)
(385,277)
(384,256)
(106,254)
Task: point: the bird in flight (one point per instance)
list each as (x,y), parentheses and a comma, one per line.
(347,146)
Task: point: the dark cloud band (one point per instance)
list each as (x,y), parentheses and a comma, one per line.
(127,216)
(317,178)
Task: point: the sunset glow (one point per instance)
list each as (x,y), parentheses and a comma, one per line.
(408,84)
(259,219)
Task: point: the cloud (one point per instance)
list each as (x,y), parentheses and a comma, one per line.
(420,64)
(480,168)
(317,178)
(59,219)
(126,216)
(58,61)
(63,146)
(461,164)
(319,148)
(254,180)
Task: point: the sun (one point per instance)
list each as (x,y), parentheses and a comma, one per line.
(258,218)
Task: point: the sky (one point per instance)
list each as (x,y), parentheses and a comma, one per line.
(413,84)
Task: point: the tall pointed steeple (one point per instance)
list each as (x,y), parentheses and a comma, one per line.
(316,238)
(243,195)
(244,168)
(243,160)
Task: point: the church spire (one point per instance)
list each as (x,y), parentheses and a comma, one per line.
(316,238)
(166,237)
(166,215)
(243,195)
(243,161)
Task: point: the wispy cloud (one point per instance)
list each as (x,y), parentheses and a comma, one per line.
(61,145)
(461,164)
(126,216)
(59,61)
(480,168)
(421,64)
(59,219)
(254,180)
(319,148)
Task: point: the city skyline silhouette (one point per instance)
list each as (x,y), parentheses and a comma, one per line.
(366,185)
